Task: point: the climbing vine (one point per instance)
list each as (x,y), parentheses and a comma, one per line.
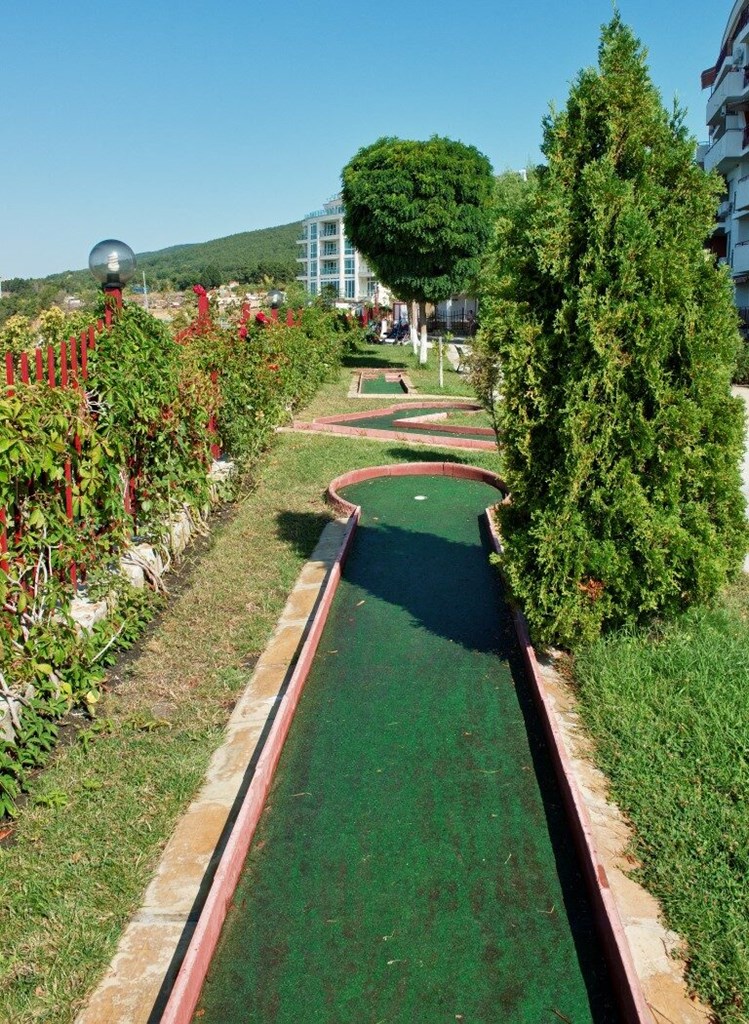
(88,469)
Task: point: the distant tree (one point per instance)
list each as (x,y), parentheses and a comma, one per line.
(420,214)
(616,335)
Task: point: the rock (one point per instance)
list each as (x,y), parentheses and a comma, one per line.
(180,532)
(87,613)
(133,572)
(221,470)
(7,729)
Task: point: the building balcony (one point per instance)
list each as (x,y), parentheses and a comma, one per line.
(732,89)
(740,259)
(726,151)
(741,197)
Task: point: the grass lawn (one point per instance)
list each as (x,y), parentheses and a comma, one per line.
(669,709)
(424,378)
(85,847)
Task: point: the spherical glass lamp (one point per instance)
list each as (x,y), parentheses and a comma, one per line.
(112,263)
(275,298)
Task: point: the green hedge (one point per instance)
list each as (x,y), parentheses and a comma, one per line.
(143,415)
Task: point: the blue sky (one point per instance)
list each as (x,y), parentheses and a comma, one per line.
(180,122)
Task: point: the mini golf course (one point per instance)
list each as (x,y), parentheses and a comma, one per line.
(412,422)
(391,383)
(413,862)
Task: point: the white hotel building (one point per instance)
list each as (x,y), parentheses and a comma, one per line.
(329,262)
(728,148)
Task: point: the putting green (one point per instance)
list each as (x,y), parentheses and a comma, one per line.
(385,421)
(381,386)
(413,863)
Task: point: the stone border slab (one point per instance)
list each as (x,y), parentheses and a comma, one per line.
(194,867)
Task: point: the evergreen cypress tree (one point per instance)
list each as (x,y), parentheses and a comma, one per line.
(616,335)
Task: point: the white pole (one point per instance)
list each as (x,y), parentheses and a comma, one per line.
(423,348)
(442,374)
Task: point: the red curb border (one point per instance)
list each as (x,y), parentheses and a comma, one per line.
(376,434)
(188,984)
(348,417)
(445,428)
(626,982)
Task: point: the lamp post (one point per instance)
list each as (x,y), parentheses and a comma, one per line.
(113,264)
(275,298)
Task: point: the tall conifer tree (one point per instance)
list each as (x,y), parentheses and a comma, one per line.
(616,335)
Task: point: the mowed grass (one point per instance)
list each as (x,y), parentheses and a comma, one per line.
(332,398)
(98,817)
(669,710)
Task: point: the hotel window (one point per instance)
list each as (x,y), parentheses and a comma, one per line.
(313,268)
(313,250)
(329,229)
(348,265)
(330,248)
(313,287)
(313,230)
(351,289)
(348,247)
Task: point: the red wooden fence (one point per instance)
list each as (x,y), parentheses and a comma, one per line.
(66,366)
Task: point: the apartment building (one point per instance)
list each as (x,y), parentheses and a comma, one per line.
(330,264)
(727,150)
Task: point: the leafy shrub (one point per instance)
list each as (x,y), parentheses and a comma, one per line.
(145,418)
(617,339)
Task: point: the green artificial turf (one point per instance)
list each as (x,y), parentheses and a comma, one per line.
(385,422)
(381,386)
(413,862)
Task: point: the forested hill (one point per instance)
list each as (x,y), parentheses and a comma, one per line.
(263,257)
(247,257)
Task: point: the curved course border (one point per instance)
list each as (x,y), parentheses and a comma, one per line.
(345,424)
(189,982)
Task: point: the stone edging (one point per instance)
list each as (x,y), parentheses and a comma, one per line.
(139,980)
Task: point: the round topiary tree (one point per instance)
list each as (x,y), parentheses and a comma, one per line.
(616,335)
(420,214)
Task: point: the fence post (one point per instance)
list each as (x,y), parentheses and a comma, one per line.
(215,447)
(69,512)
(84,355)
(9,373)
(74,360)
(25,367)
(63,364)
(39,364)
(50,366)
(4,564)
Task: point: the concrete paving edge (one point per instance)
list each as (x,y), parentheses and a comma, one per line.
(140,978)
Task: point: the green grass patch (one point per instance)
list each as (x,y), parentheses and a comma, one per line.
(86,845)
(669,710)
(424,378)
(480,418)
